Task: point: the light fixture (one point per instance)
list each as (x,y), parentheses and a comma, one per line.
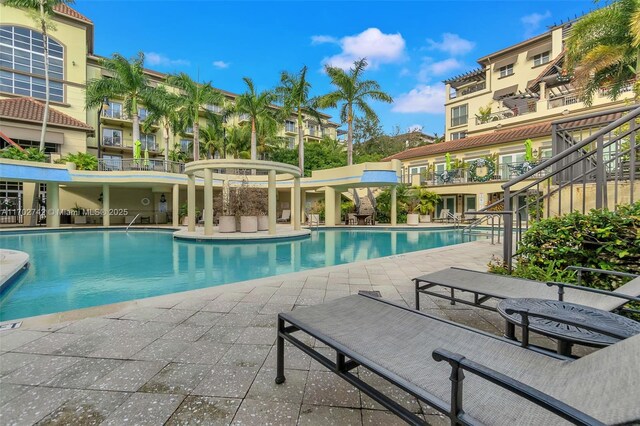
(565,112)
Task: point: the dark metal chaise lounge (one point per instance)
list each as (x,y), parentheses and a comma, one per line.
(485,286)
(504,383)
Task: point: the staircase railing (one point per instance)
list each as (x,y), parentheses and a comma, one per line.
(593,170)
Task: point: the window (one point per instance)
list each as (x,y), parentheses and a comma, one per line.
(184,145)
(541,59)
(22,50)
(112,162)
(148,141)
(459,115)
(112,137)
(188,129)
(291,142)
(49,148)
(143,113)
(243,117)
(457,135)
(506,70)
(114,110)
(289,126)
(214,108)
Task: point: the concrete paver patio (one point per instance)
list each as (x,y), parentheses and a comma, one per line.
(208,356)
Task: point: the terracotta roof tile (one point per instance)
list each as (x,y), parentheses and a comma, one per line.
(63,9)
(500,136)
(29,109)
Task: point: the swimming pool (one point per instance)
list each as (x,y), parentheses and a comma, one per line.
(78,269)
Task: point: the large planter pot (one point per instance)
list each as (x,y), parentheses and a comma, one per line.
(263,223)
(80,220)
(248,224)
(413,219)
(185,221)
(425,218)
(227,224)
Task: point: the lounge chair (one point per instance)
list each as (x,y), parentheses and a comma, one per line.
(444,215)
(504,383)
(285,216)
(485,286)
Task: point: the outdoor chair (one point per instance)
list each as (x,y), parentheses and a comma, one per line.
(444,215)
(485,286)
(351,219)
(504,383)
(285,216)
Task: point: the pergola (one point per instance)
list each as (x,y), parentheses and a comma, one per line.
(224,171)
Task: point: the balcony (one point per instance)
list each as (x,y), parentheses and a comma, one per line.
(314,133)
(127,164)
(516,111)
(471,89)
(571,98)
(117,142)
(115,114)
(502,173)
(291,128)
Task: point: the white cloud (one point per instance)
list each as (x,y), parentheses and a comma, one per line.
(532,22)
(221,64)
(430,68)
(452,44)
(414,128)
(423,98)
(153,58)
(321,39)
(373,44)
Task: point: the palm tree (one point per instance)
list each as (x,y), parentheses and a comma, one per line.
(127,81)
(354,93)
(603,49)
(239,141)
(162,107)
(42,11)
(293,92)
(256,106)
(194,100)
(212,137)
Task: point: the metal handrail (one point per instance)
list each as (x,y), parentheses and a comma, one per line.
(564,154)
(131,223)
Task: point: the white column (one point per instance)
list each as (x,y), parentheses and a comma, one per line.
(208,202)
(191,202)
(272,202)
(330,206)
(394,207)
(303,202)
(53,205)
(175,205)
(296,204)
(338,207)
(106,205)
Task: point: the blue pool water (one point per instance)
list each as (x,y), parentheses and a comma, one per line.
(71,270)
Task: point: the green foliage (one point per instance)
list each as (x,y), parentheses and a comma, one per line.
(484,114)
(551,272)
(602,239)
(403,201)
(177,155)
(426,200)
(325,154)
(82,160)
(29,154)
(346,206)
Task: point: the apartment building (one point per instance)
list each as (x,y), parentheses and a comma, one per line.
(498,122)
(73,62)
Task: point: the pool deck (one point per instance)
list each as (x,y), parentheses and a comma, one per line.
(12,262)
(208,357)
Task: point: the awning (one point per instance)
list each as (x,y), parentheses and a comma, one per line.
(501,93)
(504,62)
(32,134)
(538,50)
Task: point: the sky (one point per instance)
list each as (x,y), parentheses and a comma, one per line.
(411,46)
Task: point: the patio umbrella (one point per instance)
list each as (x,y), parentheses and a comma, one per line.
(146,157)
(528,156)
(447,159)
(136,152)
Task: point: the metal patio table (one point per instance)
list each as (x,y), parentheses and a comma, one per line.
(569,323)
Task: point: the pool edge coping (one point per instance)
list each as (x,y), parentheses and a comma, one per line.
(16,262)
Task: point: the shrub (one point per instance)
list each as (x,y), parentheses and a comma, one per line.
(602,239)
(29,154)
(82,160)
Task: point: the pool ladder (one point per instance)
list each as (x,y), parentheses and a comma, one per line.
(131,223)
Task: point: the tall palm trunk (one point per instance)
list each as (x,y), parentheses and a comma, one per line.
(350,136)
(196,140)
(165,136)
(254,143)
(45,39)
(300,144)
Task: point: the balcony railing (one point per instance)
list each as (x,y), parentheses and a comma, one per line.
(130,164)
(474,88)
(510,113)
(503,172)
(110,141)
(290,129)
(560,101)
(627,87)
(112,113)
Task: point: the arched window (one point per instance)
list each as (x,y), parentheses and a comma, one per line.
(22,63)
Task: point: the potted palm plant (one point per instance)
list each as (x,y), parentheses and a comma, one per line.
(426,204)
(412,203)
(227,221)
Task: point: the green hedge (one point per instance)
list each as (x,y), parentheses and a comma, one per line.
(601,239)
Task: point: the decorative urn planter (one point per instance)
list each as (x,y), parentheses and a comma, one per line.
(227,224)
(425,218)
(248,224)
(413,219)
(263,223)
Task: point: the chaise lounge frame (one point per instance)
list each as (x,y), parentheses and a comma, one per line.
(346,360)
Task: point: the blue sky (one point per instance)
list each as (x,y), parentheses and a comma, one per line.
(412,46)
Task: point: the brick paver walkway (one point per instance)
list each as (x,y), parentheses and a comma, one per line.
(208,356)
